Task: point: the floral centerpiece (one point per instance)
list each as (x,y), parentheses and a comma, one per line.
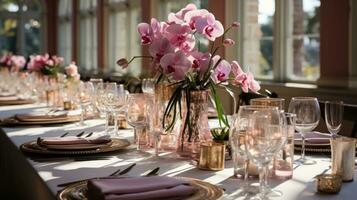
(12,62)
(174,51)
(72,72)
(45,64)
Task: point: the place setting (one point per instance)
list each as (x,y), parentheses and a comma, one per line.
(82,143)
(149,185)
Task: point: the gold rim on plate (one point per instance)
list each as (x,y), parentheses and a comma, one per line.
(16,102)
(114,145)
(205,190)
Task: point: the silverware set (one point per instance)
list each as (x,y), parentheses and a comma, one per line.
(79,134)
(116,174)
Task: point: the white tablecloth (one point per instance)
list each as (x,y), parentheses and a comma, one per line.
(42,178)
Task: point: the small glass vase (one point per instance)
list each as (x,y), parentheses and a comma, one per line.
(195,128)
(167,140)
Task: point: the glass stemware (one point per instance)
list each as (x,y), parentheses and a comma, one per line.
(97,88)
(148,85)
(334,116)
(277,102)
(239,127)
(137,116)
(307,112)
(263,140)
(84,92)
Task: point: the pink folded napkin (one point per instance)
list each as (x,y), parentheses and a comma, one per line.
(314,137)
(41,116)
(8,98)
(73,140)
(139,188)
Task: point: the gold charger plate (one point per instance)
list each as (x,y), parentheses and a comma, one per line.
(205,190)
(16,102)
(11,121)
(114,145)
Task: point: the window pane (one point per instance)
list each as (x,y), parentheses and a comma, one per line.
(8,39)
(123,39)
(32,29)
(258,47)
(306,43)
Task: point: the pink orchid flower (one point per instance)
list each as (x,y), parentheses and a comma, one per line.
(159,48)
(228,42)
(192,16)
(209,26)
(179,17)
(180,36)
(244,80)
(145,32)
(200,60)
(175,64)
(222,71)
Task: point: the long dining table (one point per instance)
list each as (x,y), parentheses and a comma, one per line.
(24,177)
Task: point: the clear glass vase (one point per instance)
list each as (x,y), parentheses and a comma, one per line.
(195,128)
(165,140)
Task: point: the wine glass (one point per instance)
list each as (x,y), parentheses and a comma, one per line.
(334,116)
(263,140)
(137,116)
(307,112)
(148,85)
(84,92)
(238,129)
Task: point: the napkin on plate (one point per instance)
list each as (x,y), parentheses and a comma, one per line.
(139,188)
(314,137)
(43,115)
(8,98)
(73,140)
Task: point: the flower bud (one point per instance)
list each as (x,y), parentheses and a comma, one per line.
(235,25)
(123,63)
(228,42)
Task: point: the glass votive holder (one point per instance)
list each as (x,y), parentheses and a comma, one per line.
(343,151)
(212,156)
(328,183)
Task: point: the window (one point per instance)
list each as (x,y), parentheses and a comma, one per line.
(87,34)
(65,30)
(21,27)
(306,40)
(259,26)
(280,39)
(123,41)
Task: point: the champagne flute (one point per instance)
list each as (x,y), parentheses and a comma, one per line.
(85,89)
(307,112)
(263,140)
(334,116)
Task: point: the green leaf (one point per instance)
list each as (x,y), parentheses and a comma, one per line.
(219,107)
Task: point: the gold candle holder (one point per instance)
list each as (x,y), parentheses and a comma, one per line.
(212,156)
(68,105)
(329,183)
(122,124)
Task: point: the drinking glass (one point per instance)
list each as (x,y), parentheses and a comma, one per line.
(97,86)
(307,112)
(148,85)
(84,92)
(334,116)
(263,140)
(137,116)
(238,130)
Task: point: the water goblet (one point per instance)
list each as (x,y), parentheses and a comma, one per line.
(307,112)
(263,140)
